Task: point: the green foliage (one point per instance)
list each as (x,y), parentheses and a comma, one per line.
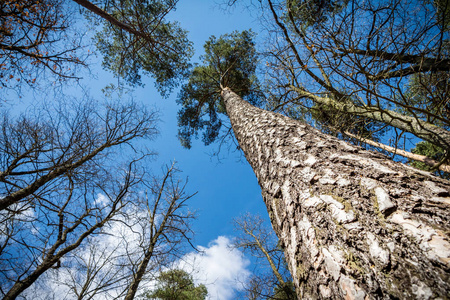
(177,285)
(285,292)
(429,93)
(333,121)
(229,61)
(313,12)
(431,151)
(164,53)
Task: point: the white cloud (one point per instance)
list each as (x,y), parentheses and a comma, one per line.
(118,243)
(101,200)
(219,267)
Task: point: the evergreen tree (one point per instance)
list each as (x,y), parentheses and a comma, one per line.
(177,285)
(352,223)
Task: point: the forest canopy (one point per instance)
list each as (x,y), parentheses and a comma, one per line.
(75,169)
(372,73)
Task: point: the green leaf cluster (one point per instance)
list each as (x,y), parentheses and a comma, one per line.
(431,151)
(314,12)
(229,61)
(164,53)
(285,292)
(177,285)
(429,93)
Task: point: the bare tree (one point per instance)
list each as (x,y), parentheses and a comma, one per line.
(382,64)
(39,256)
(63,142)
(164,230)
(150,233)
(256,239)
(61,183)
(92,271)
(37,38)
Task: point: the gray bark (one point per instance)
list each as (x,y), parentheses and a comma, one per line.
(354,224)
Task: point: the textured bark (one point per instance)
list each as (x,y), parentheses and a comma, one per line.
(354,224)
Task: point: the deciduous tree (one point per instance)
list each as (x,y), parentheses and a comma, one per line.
(361,66)
(271,279)
(118,261)
(55,164)
(37,38)
(165,230)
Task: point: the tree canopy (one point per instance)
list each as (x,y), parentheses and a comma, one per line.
(37,38)
(229,61)
(370,68)
(138,39)
(363,71)
(177,284)
(42,37)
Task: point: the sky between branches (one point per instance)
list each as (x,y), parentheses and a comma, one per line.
(227,187)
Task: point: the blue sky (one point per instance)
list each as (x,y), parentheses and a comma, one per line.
(227,188)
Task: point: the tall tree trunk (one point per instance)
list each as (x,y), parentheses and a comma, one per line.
(354,224)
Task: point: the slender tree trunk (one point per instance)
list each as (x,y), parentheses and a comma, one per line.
(354,224)
(422,129)
(137,278)
(417,157)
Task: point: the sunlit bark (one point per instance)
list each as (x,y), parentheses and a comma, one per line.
(353,223)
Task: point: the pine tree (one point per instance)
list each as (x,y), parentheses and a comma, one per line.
(353,223)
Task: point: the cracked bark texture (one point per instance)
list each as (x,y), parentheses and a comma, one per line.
(353,223)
